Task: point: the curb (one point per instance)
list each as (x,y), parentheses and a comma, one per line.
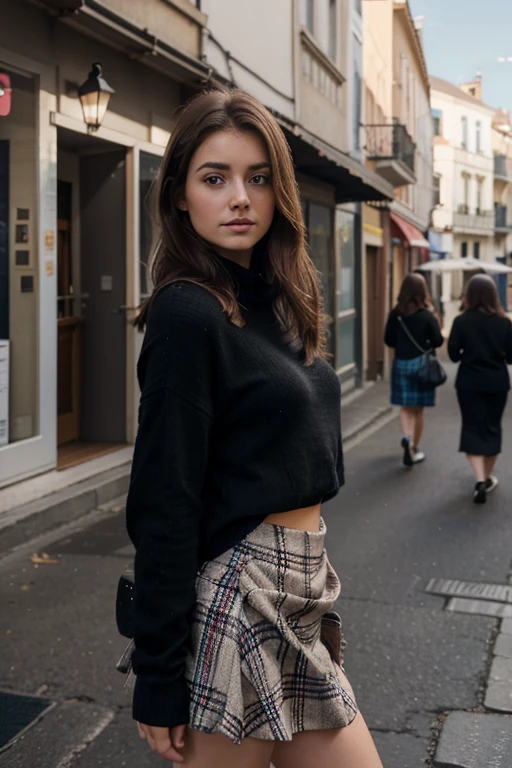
(362,426)
(28,521)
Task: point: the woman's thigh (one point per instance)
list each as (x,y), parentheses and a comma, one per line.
(349,747)
(205,750)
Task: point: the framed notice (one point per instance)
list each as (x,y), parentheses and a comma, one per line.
(4,392)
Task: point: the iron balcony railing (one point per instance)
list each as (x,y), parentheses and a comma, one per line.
(479,220)
(503,166)
(390,142)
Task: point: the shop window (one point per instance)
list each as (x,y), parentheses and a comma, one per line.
(19,310)
(148,170)
(346,290)
(320,229)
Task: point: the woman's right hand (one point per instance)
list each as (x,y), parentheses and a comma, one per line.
(165,741)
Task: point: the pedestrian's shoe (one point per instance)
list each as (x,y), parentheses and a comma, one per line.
(480,493)
(406,445)
(491,483)
(418,457)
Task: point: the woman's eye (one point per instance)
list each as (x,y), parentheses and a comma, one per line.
(260,179)
(213,181)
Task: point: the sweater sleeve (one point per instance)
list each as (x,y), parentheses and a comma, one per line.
(390,333)
(164,502)
(455,342)
(508,344)
(437,339)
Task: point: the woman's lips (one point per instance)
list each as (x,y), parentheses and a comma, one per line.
(244,227)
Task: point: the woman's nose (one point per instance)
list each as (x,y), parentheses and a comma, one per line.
(240,198)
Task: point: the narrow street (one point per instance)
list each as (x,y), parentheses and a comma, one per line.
(389,532)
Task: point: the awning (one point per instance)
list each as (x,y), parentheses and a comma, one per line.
(314,157)
(408,232)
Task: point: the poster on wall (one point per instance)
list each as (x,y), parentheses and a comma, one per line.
(4,392)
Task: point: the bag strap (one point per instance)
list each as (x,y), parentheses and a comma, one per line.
(411,337)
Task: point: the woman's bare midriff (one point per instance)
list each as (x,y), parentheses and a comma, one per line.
(305,519)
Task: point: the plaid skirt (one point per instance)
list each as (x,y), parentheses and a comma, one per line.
(265,641)
(405,390)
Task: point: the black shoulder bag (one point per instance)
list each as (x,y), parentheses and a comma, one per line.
(430,373)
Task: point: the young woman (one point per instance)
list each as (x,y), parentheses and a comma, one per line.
(237,656)
(412,325)
(481,339)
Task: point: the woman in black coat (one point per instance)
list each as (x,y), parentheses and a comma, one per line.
(481,339)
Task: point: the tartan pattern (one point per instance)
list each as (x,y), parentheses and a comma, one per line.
(262,648)
(407,391)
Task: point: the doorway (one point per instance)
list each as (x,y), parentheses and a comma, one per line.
(91,279)
(375,307)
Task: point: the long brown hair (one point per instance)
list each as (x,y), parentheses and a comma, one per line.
(481,293)
(414,295)
(181,254)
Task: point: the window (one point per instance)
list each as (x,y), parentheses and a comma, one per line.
(437,189)
(19,248)
(465,192)
(437,117)
(148,169)
(346,292)
(358,91)
(476,250)
(464,127)
(332,29)
(479,136)
(320,230)
(358,6)
(463,250)
(307,15)
(479,195)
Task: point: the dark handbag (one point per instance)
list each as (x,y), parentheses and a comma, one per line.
(430,373)
(125,618)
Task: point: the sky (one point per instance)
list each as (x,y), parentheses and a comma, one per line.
(462,36)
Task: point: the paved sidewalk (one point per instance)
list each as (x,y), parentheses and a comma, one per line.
(365,408)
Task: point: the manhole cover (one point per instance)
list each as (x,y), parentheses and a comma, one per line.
(16,712)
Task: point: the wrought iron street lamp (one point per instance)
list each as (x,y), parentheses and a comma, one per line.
(94,96)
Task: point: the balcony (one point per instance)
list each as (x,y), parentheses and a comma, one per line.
(477,223)
(500,219)
(393,151)
(503,168)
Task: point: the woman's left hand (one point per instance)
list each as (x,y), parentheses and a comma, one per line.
(165,741)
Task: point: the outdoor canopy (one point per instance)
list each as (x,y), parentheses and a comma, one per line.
(467,264)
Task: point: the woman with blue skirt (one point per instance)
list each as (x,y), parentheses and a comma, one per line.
(412,325)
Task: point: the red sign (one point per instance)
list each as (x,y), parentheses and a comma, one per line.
(5,94)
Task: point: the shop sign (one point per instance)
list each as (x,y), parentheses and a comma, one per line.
(5,94)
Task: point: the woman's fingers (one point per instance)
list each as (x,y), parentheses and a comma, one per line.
(178,736)
(159,739)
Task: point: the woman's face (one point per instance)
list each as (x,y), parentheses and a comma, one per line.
(228,193)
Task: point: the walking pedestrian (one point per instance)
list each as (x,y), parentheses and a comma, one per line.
(481,339)
(411,329)
(237,653)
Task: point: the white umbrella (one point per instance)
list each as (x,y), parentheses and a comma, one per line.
(467,264)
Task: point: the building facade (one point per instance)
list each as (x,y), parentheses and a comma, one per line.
(463,222)
(75,231)
(502,150)
(73,222)
(398,145)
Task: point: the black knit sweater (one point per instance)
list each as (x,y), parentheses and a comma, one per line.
(233,426)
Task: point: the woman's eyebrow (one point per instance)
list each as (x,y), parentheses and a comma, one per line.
(226,167)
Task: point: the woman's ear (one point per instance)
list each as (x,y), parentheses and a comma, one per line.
(181,203)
